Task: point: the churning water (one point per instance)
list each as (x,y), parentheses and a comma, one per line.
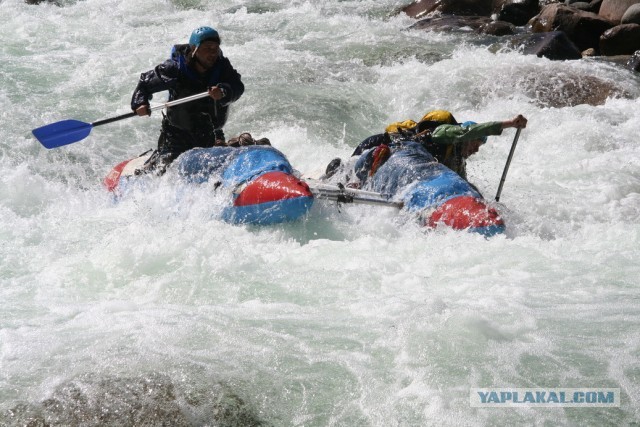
(149,309)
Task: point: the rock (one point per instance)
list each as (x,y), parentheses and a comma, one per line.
(634,62)
(582,28)
(620,40)
(517,8)
(582,5)
(518,12)
(589,53)
(613,10)
(466,7)
(498,28)
(553,45)
(420,8)
(452,23)
(592,6)
(149,400)
(595,6)
(632,15)
(551,88)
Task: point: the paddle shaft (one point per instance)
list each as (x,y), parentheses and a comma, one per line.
(343,194)
(506,166)
(157,107)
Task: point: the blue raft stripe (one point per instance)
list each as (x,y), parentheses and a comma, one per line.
(268,213)
(436,191)
(253,161)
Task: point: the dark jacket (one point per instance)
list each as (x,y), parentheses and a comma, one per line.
(443,142)
(197,120)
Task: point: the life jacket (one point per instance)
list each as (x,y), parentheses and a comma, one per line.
(202,115)
(400,127)
(424,130)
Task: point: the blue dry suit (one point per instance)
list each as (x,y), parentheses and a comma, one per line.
(411,170)
(197,123)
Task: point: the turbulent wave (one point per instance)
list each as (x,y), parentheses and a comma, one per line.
(354,316)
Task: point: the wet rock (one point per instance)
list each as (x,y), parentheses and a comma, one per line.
(152,400)
(420,8)
(42,1)
(583,28)
(466,7)
(589,53)
(620,40)
(518,12)
(552,45)
(634,62)
(632,15)
(613,10)
(498,28)
(592,6)
(452,23)
(567,89)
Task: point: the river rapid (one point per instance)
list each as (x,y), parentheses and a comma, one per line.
(354,316)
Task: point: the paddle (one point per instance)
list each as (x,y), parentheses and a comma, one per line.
(506,166)
(342,194)
(69,131)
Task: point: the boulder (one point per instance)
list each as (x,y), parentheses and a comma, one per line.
(558,89)
(632,15)
(498,28)
(588,6)
(553,45)
(620,40)
(466,7)
(634,62)
(420,8)
(149,400)
(518,12)
(613,10)
(452,23)
(583,28)
(595,6)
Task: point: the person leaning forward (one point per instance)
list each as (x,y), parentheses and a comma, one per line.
(448,141)
(193,68)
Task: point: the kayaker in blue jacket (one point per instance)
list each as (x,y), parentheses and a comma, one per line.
(193,68)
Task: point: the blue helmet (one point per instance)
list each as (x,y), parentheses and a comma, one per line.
(469,123)
(203,34)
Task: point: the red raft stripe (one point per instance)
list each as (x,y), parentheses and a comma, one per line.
(271,187)
(465,212)
(112,180)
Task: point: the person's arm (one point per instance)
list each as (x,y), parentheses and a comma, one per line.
(230,84)
(161,78)
(518,122)
(455,134)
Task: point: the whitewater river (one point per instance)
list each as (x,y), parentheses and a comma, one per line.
(150,309)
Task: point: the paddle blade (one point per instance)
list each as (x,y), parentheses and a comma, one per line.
(62,133)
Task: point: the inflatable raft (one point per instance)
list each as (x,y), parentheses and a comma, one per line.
(440,197)
(259,180)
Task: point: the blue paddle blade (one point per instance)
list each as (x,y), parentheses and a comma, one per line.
(62,133)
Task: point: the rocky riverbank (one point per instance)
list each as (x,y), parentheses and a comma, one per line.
(558,31)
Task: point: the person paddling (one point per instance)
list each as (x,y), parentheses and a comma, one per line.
(459,142)
(193,68)
(448,141)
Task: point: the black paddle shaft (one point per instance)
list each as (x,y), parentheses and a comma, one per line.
(113,119)
(506,166)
